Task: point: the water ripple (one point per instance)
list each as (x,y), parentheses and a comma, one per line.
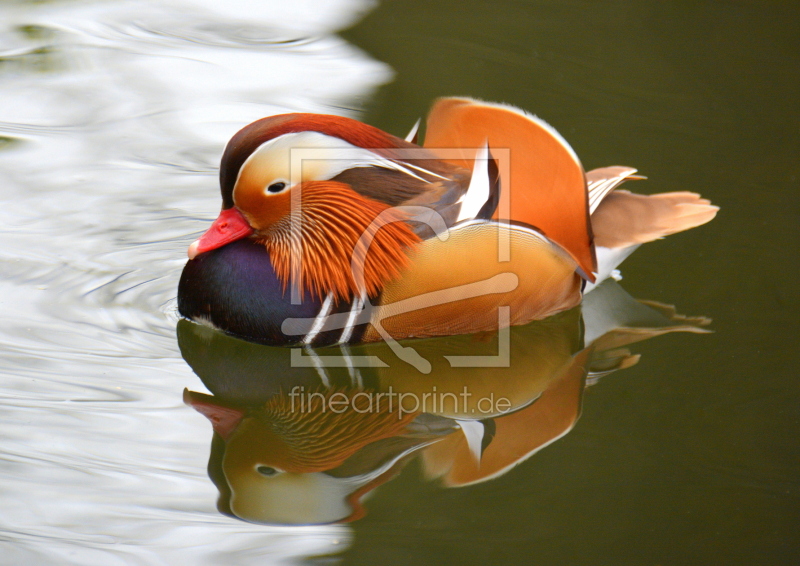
(112,119)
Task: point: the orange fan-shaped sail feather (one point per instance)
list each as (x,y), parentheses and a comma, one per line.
(544,180)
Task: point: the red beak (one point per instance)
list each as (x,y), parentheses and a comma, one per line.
(229,226)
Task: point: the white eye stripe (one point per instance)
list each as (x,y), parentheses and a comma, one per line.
(321,157)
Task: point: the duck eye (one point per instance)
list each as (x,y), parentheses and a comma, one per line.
(266,471)
(276,187)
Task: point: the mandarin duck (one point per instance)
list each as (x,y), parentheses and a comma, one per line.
(335,232)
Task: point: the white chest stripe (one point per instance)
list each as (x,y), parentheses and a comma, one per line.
(319,321)
(358,304)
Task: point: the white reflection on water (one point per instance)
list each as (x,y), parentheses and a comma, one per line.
(113,116)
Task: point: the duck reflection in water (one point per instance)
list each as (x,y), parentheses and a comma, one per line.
(305,443)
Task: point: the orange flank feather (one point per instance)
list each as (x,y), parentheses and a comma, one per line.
(544,179)
(456,286)
(349,244)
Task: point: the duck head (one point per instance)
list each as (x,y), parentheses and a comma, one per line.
(322,190)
